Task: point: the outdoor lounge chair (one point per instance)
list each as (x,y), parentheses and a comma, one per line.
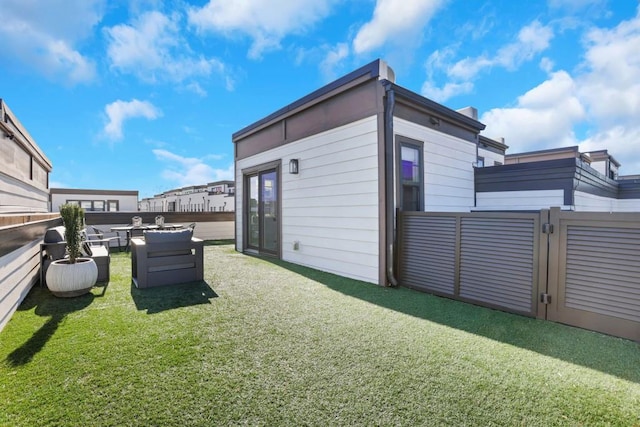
(166,257)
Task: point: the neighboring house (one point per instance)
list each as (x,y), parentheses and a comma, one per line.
(216,196)
(490,152)
(319,181)
(95,200)
(604,163)
(562,177)
(24,217)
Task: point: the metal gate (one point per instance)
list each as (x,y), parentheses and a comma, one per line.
(578,268)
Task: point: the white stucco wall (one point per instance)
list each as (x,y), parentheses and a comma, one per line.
(585,202)
(331,207)
(530,200)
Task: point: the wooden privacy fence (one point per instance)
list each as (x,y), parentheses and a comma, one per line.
(577,268)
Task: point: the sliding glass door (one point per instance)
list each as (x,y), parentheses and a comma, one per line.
(262,211)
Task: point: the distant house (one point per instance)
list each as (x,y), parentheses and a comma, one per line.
(562,177)
(95,200)
(319,181)
(215,196)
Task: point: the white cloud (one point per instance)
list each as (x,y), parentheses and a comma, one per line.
(610,82)
(266,22)
(610,87)
(621,142)
(395,20)
(603,97)
(185,171)
(120,111)
(449,90)
(531,40)
(44,36)
(543,117)
(333,60)
(576,5)
(153,49)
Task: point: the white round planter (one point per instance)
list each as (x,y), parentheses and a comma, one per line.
(71,280)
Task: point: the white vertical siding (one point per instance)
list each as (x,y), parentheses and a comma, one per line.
(530,200)
(331,207)
(448,167)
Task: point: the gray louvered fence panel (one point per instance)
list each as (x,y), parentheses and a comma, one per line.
(603,270)
(428,253)
(497,262)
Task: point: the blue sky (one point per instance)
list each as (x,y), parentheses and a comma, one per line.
(145,95)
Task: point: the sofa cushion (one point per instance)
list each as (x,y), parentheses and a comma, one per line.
(54,234)
(166,236)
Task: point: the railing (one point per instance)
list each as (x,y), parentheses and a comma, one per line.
(209,225)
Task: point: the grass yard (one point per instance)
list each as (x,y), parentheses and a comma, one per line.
(269,343)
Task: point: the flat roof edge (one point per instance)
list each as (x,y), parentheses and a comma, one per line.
(371,70)
(432,105)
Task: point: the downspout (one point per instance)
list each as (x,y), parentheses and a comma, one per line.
(475,194)
(390,222)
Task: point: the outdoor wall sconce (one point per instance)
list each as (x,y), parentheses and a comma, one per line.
(293,166)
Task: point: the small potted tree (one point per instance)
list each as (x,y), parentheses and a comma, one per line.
(73,275)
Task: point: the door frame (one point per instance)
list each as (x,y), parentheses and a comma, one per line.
(246,174)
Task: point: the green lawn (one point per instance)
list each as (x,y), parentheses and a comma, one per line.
(270,343)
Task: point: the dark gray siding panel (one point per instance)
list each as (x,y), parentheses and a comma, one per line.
(353,104)
(548,175)
(15,237)
(415,114)
(497,262)
(428,253)
(588,180)
(629,189)
(566,174)
(602,270)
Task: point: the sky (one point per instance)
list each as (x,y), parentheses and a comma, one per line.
(145,94)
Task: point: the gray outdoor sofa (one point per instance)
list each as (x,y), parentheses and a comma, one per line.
(165,257)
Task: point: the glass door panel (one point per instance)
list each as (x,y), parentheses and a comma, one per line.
(269,207)
(262,211)
(253,238)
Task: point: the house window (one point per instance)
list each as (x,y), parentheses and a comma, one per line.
(496,163)
(411,175)
(480,162)
(113,205)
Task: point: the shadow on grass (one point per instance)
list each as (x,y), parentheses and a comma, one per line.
(611,355)
(219,242)
(46,305)
(161,298)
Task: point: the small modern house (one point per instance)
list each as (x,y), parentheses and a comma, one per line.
(320,181)
(95,200)
(562,177)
